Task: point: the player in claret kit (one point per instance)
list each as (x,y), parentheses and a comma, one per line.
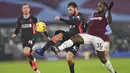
(95,34)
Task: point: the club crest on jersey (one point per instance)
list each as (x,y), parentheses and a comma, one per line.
(30,20)
(96,18)
(30,42)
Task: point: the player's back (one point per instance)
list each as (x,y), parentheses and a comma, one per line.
(98,25)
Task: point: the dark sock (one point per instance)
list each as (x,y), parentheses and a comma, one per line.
(31,57)
(30,62)
(71,67)
(48,45)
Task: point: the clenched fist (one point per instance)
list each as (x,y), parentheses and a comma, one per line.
(13,36)
(57,18)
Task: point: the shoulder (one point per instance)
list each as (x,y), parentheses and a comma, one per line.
(33,17)
(95,13)
(104,13)
(70,17)
(19,18)
(35,20)
(80,15)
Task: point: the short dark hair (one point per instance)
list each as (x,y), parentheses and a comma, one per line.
(105,4)
(72,4)
(25,4)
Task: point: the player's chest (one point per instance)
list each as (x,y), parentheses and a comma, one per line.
(74,18)
(26,23)
(97,18)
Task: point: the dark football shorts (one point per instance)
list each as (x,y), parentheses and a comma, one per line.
(73,49)
(67,35)
(28,43)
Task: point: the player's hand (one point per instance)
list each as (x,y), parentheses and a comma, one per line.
(57,18)
(48,38)
(110,6)
(13,36)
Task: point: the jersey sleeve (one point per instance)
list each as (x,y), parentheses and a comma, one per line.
(18,25)
(108,30)
(46,34)
(72,21)
(89,21)
(35,20)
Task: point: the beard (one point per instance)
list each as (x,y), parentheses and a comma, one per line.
(101,11)
(73,13)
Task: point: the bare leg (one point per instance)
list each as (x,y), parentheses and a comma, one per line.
(70,60)
(105,61)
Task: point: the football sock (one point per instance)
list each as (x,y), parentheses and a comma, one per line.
(71,66)
(66,44)
(33,65)
(109,66)
(48,45)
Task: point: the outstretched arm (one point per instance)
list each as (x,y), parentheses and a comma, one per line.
(109,17)
(46,34)
(74,21)
(70,22)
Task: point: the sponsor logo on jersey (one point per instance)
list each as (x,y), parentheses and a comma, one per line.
(72,26)
(78,17)
(96,18)
(26,25)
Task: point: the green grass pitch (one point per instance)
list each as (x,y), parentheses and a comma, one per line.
(121,65)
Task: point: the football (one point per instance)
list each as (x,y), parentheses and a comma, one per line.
(41,27)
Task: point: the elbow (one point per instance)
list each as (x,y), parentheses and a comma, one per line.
(109,21)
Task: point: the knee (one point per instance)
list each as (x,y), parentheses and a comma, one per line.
(27,51)
(103,59)
(73,38)
(77,39)
(69,56)
(58,37)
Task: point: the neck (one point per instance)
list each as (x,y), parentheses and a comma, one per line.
(26,15)
(76,13)
(100,12)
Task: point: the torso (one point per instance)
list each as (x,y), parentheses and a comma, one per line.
(98,25)
(28,26)
(75,29)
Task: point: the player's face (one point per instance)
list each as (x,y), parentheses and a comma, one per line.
(26,9)
(71,10)
(100,7)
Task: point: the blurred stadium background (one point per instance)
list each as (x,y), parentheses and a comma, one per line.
(46,10)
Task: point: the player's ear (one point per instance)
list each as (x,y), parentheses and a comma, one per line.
(76,8)
(105,8)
